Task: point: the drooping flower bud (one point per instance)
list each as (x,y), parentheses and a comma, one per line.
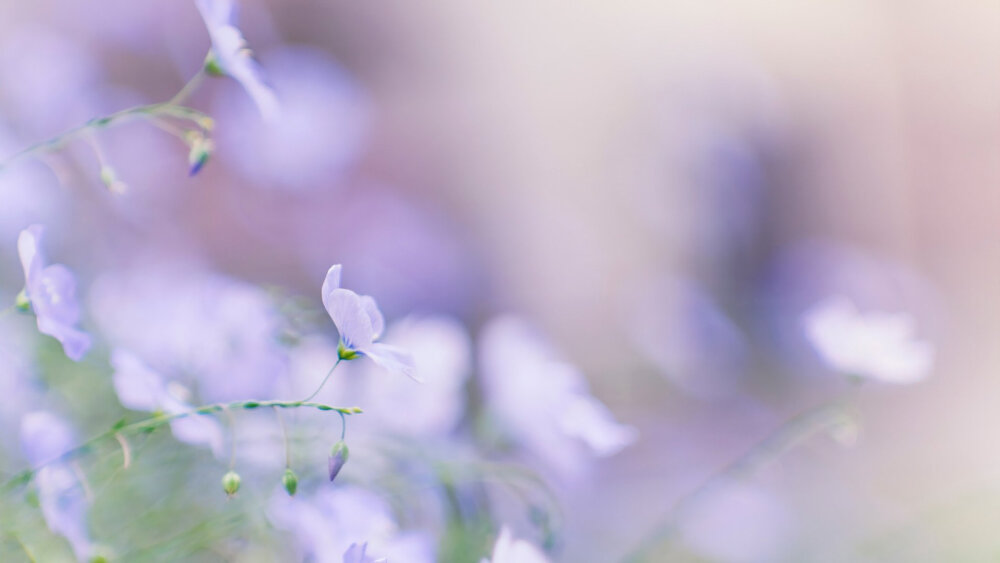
(290,481)
(201,150)
(338,457)
(231,483)
(212,66)
(111,181)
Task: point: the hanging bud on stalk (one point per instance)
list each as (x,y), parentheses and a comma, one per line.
(290,481)
(231,483)
(338,457)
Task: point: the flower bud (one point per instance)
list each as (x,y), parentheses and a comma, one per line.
(290,481)
(111,181)
(201,149)
(338,457)
(231,483)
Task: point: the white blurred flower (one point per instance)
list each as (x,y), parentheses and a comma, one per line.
(510,550)
(544,402)
(874,345)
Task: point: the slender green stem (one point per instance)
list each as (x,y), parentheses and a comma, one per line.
(343,426)
(7,311)
(117,118)
(323,383)
(793,432)
(232,437)
(156,421)
(188,88)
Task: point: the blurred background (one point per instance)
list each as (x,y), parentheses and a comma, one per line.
(661,188)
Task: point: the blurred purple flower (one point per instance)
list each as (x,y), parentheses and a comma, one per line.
(875,345)
(328,523)
(45,437)
(357,554)
(221,331)
(324,125)
(442,360)
(140,388)
(233,56)
(510,550)
(360,324)
(544,402)
(52,293)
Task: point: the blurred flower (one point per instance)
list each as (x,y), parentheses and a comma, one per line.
(544,402)
(738,523)
(510,550)
(233,57)
(681,329)
(360,324)
(876,345)
(356,554)
(221,331)
(52,292)
(44,438)
(442,352)
(326,524)
(324,126)
(140,388)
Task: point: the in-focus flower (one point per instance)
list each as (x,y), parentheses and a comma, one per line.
(510,550)
(44,437)
(357,553)
(232,57)
(875,345)
(543,402)
(52,292)
(142,389)
(360,324)
(327,523)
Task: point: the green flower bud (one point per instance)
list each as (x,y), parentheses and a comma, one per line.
(111,181)
(290,481)
(338,457)
(231,483)
(22,303)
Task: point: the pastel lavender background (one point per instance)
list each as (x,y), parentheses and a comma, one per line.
(662,188)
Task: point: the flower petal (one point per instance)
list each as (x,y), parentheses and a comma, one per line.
(393,359)
(138,387)
(353,321)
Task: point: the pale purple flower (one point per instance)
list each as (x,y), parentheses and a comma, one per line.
(221,332)
(45,437)
(51,289)
(233,56)
(326,524)
(442,354)
(324,125)
(875,345)
(360,324)
(140,388)
(507,549)
(357,553)
(543,402)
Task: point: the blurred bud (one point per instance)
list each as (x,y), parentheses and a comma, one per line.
(212,67)
(22,303)
(201,149)
(846,432)
(231,483)
(345,353)
(338,457)
(290,481)
(111,181)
